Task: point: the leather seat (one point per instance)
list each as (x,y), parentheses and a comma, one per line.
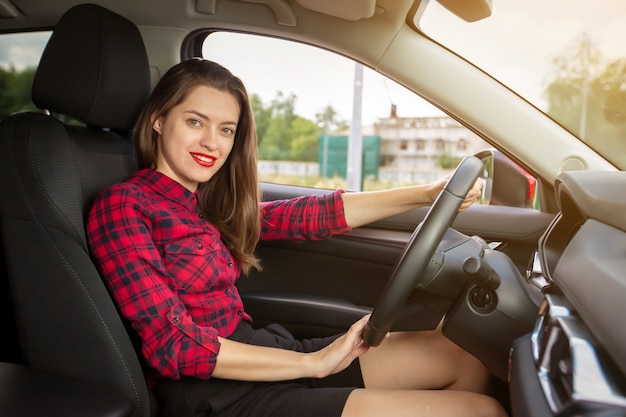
(94,70)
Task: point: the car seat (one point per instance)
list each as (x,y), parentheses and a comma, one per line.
(94,70)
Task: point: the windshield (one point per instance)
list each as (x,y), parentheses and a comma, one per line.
(566,57)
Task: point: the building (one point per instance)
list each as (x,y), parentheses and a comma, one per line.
(410,150)
(420,149)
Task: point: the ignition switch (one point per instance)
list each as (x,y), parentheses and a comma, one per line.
(487,280)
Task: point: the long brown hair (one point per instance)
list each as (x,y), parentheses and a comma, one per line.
(230,199)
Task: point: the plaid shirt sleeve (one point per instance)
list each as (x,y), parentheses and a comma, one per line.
(311,217)
(120,239)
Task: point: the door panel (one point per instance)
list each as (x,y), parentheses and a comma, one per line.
(321,287)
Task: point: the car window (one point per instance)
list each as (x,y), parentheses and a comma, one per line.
(19,56)
(304,102)
(566,57)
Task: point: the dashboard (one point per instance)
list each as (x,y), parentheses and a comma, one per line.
(573,363)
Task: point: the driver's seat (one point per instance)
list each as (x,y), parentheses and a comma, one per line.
(94,70)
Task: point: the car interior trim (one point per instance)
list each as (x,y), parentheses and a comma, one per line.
(573,372)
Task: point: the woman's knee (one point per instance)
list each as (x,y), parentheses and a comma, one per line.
(372,402)
(489,407)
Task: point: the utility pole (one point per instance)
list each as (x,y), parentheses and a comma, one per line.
(355,142)
(325,138)
(585,58)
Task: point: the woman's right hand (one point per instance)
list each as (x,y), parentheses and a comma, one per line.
(339,354)
(244,362)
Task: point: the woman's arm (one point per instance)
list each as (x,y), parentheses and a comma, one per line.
(361,208)
(172,342)
(243,362)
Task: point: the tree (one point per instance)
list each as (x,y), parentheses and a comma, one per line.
(329,120)
(284,106)
(262,116)
(447,161)
(15,91)
(283,135)
(570,93)
(276,141)
(587,96)
(306,139)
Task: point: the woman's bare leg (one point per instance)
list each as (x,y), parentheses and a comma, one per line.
(422,374)
(423,360)
(402,403)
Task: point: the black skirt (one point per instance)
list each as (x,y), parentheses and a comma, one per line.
(309,397)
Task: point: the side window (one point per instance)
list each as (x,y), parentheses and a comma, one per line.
(304,100)
(19,56)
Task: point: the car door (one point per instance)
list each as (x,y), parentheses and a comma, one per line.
(321,287)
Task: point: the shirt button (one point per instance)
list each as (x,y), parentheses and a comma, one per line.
(176,319)
(200,246)
(240,313)
(230,264)
(227,291)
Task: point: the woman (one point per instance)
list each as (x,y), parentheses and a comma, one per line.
(172,240)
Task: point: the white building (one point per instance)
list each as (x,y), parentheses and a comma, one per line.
(413,148)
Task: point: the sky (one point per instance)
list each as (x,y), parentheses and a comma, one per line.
(317,78)
(514,45)
(21,50)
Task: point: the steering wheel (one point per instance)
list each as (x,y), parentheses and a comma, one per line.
(408,272)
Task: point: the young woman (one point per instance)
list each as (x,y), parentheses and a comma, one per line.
(172,240)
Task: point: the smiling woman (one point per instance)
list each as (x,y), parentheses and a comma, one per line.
(202,127)
(522,304)
(172,240)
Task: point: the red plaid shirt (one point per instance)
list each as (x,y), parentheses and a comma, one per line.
(169,271)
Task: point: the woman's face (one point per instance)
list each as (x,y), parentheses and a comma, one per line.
(196,137)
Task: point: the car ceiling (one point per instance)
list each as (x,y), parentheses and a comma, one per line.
(192,14)
(365,39)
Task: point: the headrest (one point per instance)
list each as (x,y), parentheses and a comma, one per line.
(94,68)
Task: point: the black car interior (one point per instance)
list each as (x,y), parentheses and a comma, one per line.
(92,79)
(94,70)
(66,351)
(572,363)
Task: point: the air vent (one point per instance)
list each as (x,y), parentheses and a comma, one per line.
(534,273)
(576,375)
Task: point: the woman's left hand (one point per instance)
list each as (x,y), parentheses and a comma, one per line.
(473,195)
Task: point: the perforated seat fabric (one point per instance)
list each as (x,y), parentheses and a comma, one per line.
(94,69)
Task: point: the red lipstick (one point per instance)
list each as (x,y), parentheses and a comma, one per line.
(204,159)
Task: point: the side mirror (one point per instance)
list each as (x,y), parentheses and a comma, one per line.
(505,182)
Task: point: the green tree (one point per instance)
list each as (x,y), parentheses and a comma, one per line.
(283,135)
(276,141)
(587,96)
(284,106)
(306,139)
(447,161)
(329,120)
(571,91)
(262,116)
(275,137)
(15,91)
